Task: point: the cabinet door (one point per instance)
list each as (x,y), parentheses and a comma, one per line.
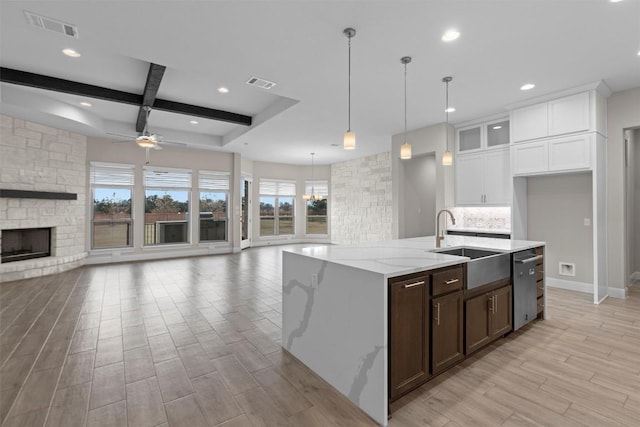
(569,114)
(498,134)
(497,177)
(530,158)
(470,138)
(501,311)
(570,152)
(469,187)
(477,322)
(529,123)
(408,335)
(446,334)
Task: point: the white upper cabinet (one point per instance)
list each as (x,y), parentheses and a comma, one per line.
(483,178)
(561,116)
(569,114)
(561,154)
(482,136)
(530,123)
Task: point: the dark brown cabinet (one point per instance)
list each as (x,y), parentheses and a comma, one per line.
(487,316)
(408,334)
(446,317)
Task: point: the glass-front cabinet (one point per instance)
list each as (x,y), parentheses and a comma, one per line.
(481,136)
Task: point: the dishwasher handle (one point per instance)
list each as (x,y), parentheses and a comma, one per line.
(529,260)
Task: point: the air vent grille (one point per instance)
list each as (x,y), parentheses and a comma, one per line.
(261,83)
(51,24)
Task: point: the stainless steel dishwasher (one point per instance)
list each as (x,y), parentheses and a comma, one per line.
(524,287)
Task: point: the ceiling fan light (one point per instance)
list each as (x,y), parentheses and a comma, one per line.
(145,142)
(349,142)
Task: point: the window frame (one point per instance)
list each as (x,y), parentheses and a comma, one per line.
(319,187)
(121,181)
(214,182)
(179,185)
(279,188)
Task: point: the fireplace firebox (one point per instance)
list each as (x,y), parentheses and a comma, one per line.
(25,243)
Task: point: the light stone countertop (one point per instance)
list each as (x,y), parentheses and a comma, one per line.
(404,256)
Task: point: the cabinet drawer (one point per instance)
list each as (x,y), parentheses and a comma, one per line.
(539,272)
(539,251)
(540,305)
(448,280)
(540,289)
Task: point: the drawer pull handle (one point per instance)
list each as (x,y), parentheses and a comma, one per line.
(491,305)
(411,285)
(438,315)
(451,282)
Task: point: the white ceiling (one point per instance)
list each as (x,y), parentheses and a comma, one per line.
(299,44)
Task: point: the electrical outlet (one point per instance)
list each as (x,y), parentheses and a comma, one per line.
(587,222)
(567,269)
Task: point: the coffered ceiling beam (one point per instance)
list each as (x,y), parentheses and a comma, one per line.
(154,77)
(24,78)
(204,112)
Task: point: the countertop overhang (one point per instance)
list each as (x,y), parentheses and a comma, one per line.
(405,256)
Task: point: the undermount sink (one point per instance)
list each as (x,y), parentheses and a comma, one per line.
(468,252)
(484,267)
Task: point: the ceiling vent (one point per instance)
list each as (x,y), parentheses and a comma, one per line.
(261,83)
(51,24)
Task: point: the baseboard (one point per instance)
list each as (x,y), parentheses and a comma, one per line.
(153,253)
(570,285)
(587,288)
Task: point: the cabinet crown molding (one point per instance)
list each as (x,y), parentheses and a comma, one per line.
(599,86)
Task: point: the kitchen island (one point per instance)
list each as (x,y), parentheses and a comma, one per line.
(336,308)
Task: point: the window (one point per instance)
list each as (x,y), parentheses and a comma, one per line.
(317,209)
(214,197)
(166,210)
(277,207)
(111,188)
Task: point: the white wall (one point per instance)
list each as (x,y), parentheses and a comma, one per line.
(556,208)
(419,196)
(361,200)
(623,112)
(427,140)
(42,158)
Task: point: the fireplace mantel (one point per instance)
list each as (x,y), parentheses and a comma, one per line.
(26,194)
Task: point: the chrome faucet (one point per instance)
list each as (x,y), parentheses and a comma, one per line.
(440,234)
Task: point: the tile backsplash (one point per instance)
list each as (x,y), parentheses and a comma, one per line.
(484,218)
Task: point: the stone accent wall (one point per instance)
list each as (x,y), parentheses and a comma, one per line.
(41,158)
(361,200)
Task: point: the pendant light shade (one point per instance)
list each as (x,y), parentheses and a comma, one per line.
(349,141)
(405,149)
(447,156)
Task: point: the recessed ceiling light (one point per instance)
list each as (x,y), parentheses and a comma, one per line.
(639,53)
(496,127)
(70,52)
(450,35)
(527,86)
(193,122)
(615,1)
(449,110)
(85,104)
(223,89)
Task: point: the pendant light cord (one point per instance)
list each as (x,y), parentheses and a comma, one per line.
(446,111)
(405,102)
(349,97)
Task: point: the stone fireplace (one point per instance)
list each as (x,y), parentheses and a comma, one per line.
(26,243)
(43,185)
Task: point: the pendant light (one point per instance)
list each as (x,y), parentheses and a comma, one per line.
(405,149)
(313,196)
(447,156)
(349,142)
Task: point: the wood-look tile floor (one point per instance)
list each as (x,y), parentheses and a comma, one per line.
(196,342)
